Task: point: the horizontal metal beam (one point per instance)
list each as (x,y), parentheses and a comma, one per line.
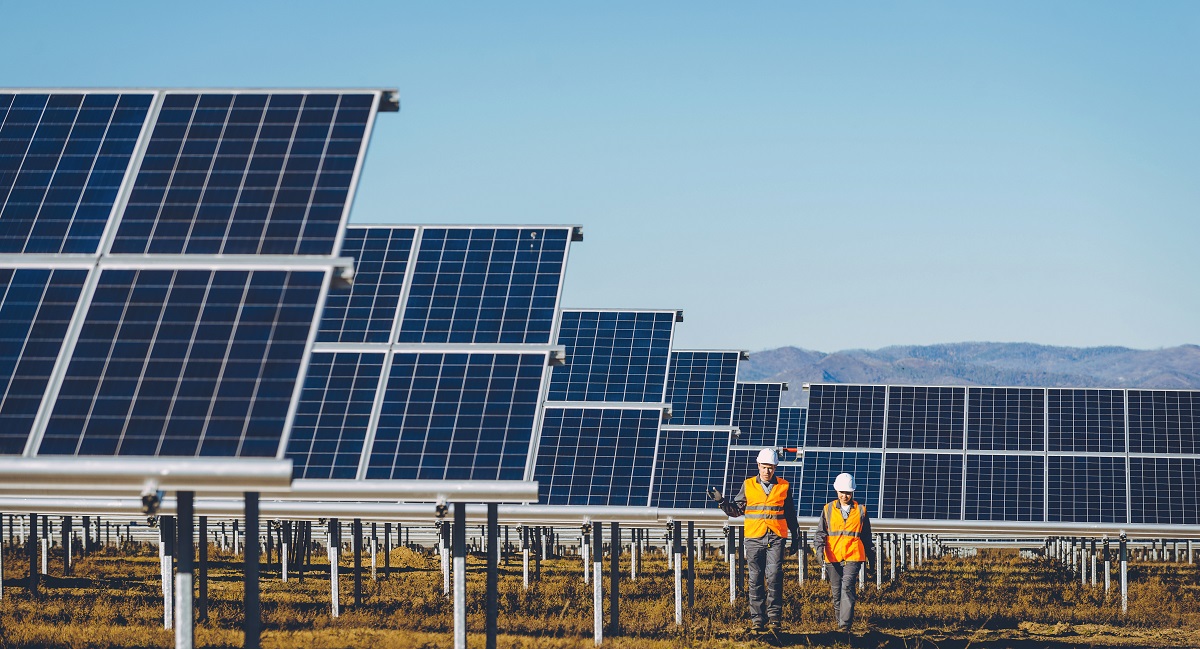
(137,475)
(445,491)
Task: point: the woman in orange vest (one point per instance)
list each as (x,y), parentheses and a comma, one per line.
(769,508)
(843,541)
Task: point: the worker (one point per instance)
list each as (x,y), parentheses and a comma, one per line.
(767,502)
(843,540)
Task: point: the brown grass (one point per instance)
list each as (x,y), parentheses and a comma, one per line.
(997,599)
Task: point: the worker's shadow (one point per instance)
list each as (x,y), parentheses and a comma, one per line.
(870,639)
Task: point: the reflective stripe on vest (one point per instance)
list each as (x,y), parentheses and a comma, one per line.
(764,511)
(844,542)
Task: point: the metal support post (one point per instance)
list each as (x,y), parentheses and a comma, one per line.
(729,559)
(691,565)
(597,590)
(185,634)
(614,579)
(878,562)
(252,627)
(202,599)
(585,543)
(635,552)
(335,585)
(525,556)
(1092,555)
(677,552)
(892,555)
(741,558)
(802,555)
(460,575)
(1124,574)
(445,546)
(387,550)
(166,556)
(493,572)
(32,548)
(1107,567)
(356,549)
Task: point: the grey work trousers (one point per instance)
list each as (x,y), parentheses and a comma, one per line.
(764,557)
(843,586)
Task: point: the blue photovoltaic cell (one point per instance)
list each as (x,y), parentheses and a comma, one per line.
(613,356)
(845,416)
(1006,419)
(1164,421)
(756,413)
(1005,488)
(688,463)
(333,415)
(185,363)
(62,159)
(457,416)
(1086,489)
(821,467)
(249,173)
(923,485)
(1165,490)
(365,311)
(36,305)
(791,427)
(700,388)
(925,417)
(1086,420)
(485,285)
(596,456)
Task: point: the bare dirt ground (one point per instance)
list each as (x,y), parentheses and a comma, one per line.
(998,599)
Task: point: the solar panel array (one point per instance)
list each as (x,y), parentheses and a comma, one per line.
(1005,454)
(433,363)
(601,421)
(163,255)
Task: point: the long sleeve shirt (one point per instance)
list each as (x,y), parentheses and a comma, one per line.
(737,507)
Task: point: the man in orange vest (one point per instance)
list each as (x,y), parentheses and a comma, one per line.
(769,508)
(843,540)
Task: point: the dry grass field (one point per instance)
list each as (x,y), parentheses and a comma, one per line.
(994,600)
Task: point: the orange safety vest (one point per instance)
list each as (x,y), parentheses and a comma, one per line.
(764,511)
(844,542)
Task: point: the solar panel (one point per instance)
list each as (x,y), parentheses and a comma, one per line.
(821,467)
(701,387)
(247,173)
(686,464)
(62,159)
(1165,490)
(334,413)
(596,456)
(1005,487)
(185,363)
(1086,420)
(845,416)
(923,485)
(1006,419)
(614,356)
(366,310)
(1087,489)
(485,285)
(1164,421)
(36,306)
(925,417)
(457,416)
(791,427)
(756,413)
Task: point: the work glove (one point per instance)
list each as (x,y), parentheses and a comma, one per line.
(716,495)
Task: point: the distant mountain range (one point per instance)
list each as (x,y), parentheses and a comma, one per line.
(1002,364)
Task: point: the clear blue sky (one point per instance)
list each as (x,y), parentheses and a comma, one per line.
(788,174)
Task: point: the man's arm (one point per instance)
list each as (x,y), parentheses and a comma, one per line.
(821,535)
(793,523)
(737,506)
(867,541)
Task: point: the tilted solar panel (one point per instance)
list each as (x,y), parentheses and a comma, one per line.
(791,427)
(185,363)
(701,387)
(616,356)
(247,173)
(62,159)
(846,416)
(330,428)
(687,463)
(485,285)
(1086,420)
(756,413)
(596,456)
(923,485)
(1006,419)
(457,416)
(925,417)
(36,306)
(1164,421)
(1005,488)
(366,310)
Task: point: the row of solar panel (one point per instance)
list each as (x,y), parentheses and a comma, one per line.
(1003,419)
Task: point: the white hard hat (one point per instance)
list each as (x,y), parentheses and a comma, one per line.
(768,456)
(843,482)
